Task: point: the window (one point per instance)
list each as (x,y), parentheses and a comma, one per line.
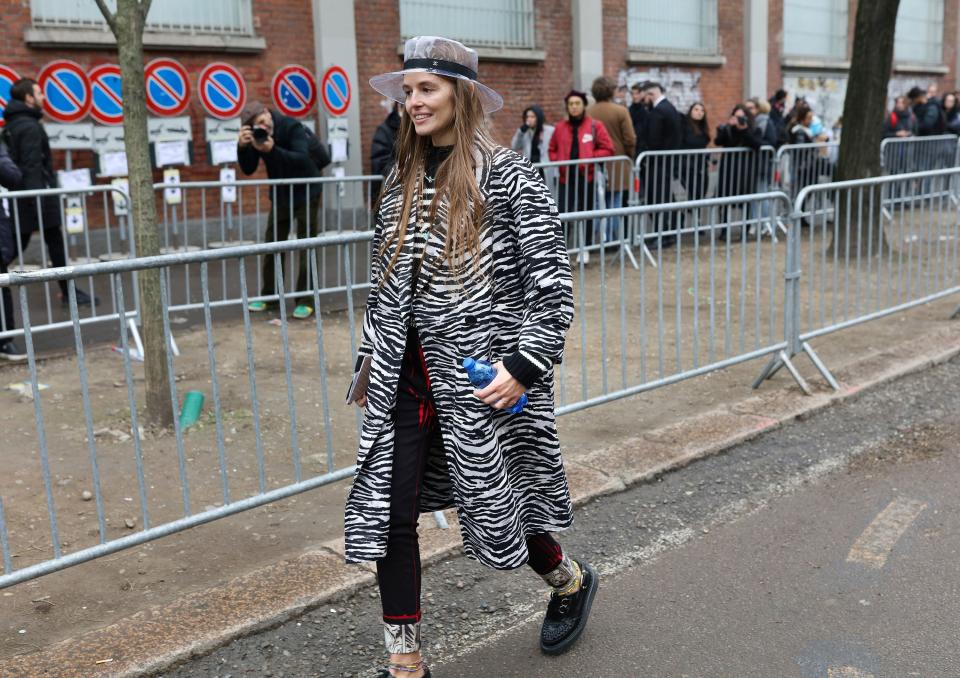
(815,28)
(919,37)
(685,26)
(181,16)
(481,23)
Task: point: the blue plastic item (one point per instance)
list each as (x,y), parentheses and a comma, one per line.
(481,373)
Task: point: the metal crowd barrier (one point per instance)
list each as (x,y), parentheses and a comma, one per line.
(202,215)
(852,258)
(93,228)
(903,155)
(801,165)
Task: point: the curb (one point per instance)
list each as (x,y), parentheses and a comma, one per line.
(156,639)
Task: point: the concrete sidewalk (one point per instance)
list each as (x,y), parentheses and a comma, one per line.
(198,621)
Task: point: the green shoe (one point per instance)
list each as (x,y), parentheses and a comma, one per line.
(302,312)
(257,306)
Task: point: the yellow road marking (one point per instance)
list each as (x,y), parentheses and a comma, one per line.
(847,672)
(881,535)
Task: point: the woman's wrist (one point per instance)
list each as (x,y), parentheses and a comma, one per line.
(522,369)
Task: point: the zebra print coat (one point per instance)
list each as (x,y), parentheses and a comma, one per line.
(502,472)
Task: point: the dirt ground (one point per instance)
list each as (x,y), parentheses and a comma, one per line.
(621,337)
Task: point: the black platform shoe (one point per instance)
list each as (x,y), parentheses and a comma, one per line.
(567,615)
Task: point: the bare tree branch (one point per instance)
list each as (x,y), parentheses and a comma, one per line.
(108,16)
(144,10)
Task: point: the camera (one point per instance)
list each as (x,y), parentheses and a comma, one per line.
(260,135)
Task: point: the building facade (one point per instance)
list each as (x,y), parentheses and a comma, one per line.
(532,51)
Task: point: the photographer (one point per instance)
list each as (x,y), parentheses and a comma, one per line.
(284,145)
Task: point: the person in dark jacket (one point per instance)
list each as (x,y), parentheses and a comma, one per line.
(283,145)
(738,171)
(29,148)
(382,149)
(951,111)
(696,136)
(10,178)
(930,118)
(778,104)
(901,122)
(638,115)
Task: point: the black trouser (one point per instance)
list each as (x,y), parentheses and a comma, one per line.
(9,322)
(56,250)
(415,430)
(578,195)
(278,229)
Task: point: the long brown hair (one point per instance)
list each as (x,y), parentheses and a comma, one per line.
(456,182)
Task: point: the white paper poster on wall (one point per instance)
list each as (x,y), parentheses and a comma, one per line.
(228,193)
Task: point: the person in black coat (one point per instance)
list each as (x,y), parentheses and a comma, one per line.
(663,134)
(696,136)
(738,171)
(29,148)
(284,146)
(382,149)
(638,115)
(10,178)
(930,118)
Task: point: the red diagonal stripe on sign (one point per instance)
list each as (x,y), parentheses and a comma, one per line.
(109,92)
(223,90)
(294,91)
(163,85)
(66,92)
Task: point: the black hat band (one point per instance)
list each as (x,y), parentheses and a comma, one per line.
(442,65)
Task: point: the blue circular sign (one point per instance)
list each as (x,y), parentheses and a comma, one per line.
(222,91)
(294,90)
(335,87)
(107,107)
(8,76)
(66,91)
(168,89)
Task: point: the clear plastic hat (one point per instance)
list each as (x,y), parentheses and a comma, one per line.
(430,54)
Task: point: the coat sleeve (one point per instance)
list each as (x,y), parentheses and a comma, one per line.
(376,275)
(10,175)
(249,158)
(628,134)
(553,148)
(517,142)
(544,268)
(381,152)
(29,142)
(603,144)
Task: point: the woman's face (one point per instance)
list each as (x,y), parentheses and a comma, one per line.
(949,101)
(430,104)
(575,106)
(698,112)
(530,119)
(807,119)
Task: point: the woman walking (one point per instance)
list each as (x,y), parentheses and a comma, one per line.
(469,261)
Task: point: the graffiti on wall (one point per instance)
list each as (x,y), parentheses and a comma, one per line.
(824,93)
(681,87)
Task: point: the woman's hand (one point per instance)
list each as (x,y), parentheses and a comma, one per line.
(361,401)
(503,392)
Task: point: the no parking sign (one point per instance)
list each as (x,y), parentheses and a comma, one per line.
(66,91)
(335,89)
(8,76)
(107,107)
(222,91)
(294,90)
(168,89)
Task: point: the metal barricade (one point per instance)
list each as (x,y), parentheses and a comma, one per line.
(66,227)
(904,155)
(862,259)
(801,165)
(230,463)
(591,184)
(202,215)
(711,300)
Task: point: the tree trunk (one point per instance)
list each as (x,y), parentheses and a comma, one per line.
(859,215)
(127,26)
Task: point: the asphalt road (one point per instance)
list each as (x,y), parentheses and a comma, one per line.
(826,548)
